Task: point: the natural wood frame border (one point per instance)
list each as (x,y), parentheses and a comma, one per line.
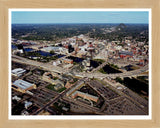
(4,33)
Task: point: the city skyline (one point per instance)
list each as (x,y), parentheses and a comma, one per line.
(61,17)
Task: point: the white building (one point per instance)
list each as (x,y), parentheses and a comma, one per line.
(18,71)
(22,86)
(16,98)
(17,51)
(55,63)
(55,49)
(27,104)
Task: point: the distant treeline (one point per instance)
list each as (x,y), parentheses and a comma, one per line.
(53,32)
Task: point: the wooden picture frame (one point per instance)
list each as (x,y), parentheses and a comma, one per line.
(4,63)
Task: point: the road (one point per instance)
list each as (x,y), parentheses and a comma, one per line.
(45,66)
(58,69)
(100,66)
(124,74)
(52,101)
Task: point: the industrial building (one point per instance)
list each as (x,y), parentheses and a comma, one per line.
(84,95)
(23,86)
(18,71)
(58,86)
(16,98)
(55,49)
(27,104)
(50,77)
(124,54)
(69,61)
(79,85)
(68,85)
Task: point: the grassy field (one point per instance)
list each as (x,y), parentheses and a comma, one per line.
(51,87)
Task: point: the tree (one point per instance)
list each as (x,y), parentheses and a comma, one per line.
(52,52)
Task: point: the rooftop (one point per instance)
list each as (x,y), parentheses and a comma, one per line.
(51,48)
(84,94)
(22,84)
(18,70)
(126,53)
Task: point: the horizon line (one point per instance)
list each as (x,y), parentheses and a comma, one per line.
(79,23)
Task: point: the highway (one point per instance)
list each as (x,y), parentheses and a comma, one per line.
(45,66)
(125,74)
(100,66)
(50,67)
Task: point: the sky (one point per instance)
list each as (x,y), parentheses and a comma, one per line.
(44,17)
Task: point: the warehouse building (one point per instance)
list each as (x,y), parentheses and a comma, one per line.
(68,61)
(23,86)
(58,86)
(27,104)
(79,85)
(85,96)
(18,71)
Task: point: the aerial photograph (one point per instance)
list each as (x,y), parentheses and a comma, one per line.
(79,63)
